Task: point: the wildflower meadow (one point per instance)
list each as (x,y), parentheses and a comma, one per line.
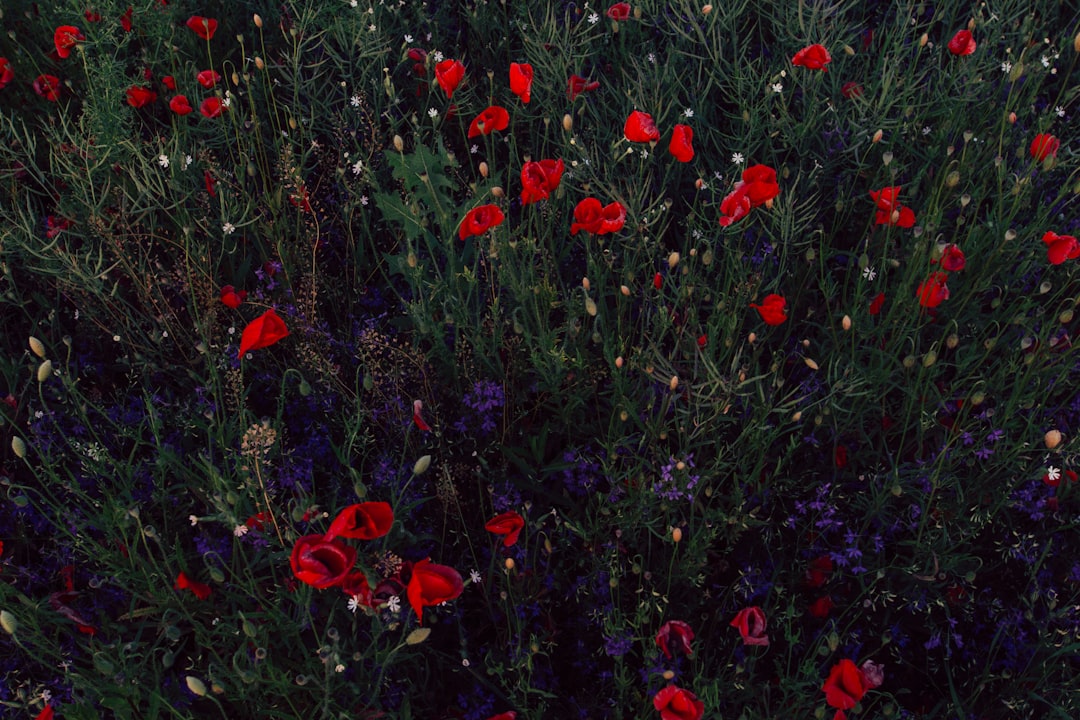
(492,359)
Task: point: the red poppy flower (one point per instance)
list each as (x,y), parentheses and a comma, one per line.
(258,521)
(66,37)
(962,43)
(48,87)
(592,217)
(45,714)
(639,127)
(751,624)
(509,524)
(169,82)
(771,309)
(812,57)
(821,607)
(449,74)
(180,105)
(1044,146)
(211,107)
(619,11)
(509,715)
(675,634)
(321,563)
(262,332)
(761,185)
(208,78)
(851,90)
(933,291)
(877,303)
(680,146)
(432,584)
(138,97)
(91,16)
(844,687)
(231,298)
(521,78)
(418,421)
(1060,248)
(891,212)
(201,26)
(539,180)
(6,73)
(577,85)
(479,220)
(125,20)
(183,582)
(675,703)
(209,181)
(492,119)
(818,572)
(735,206)
(658,281)
(952,258)
(356,585)
(55,225)
(363,521)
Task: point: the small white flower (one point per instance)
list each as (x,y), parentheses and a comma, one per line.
(46,696)
(339,668)
(409,39)
(437,56)
(393,604)
(926,130)
(363,200)
(696,234)
(371,28)
(644,153)
(354,603)
(1053,474)
(651,57)
(432,113)
(474,149)
(163,160)
(187,161)
(315,145)
(228,228)
(737,158)
(355,101)
(194,520)
(778,87)
(1059,111)
(593,18)
(869,272)
(353,3)
(1006,67)
(688,112)
(465,662)
(357,167)
(1045,61)
(474,576)
(240,530)
(227,102)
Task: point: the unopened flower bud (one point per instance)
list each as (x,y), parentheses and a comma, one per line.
(699,183)
(886,158)
(923,40)
(952,179)
(422,465)
(292,123)
(1052,438)
(877,136)
(796,416)
(399,144)
(483,169)
(18,447)
(624,290)
(673,383)
(257,20)
(846,322)
(509,563)
(619,361)
(676,535)
(44,371)
(235,77)
(586,284)
(811,363)
(8,622)
(259,64)
(952,341)
(497,191)
(196,686)
(1076,43)
(705,10)
(673,260)
(567,122)
(37,347)
(751,338)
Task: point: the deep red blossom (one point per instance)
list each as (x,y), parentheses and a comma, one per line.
(877,303)
(962,43)
(321,563)
(45,714)
(183,582)
(210,182)
(180,105)
(212,107)
(479,220)
(231,298)
(138,97)
(639,127)
(851,90)
(619,11)
(933,290)
(417,418)
(1060,248)
(844,687)
(208,78)
(6,73)
(521,79)
(540,179)
(658,281)
(771,309)
(592,217)
(577,85)
(491,119)
(952,258)
(735,206)
(1043,146)
(889,210)
(812,57)
(125,20)
(65,38)
(675,703)
(760,184)
(169,82)
(48,87)
(432,584)
(681,145)
(821,607)
(91,16)
(362,521)
(675,634)
(751,624)
(818,572)
(449,74)
(509,524)
(202,26)
(262,332)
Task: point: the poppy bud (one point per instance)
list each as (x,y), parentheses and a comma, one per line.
(44,371)
(257,20)
(848,50)
(497,192)
(699,183)
(1065,317)
(676,535)
(37,347)
(567,122)
(624,290)
(509,563)
(674,383)
(399,144)
(1012,118)
(586,284)
(929,359)
(8,622)
(846,322)
(422,465)
(673,260)
(1052,438)
(1017,71)
(797,416)
(751,338)
(886,159)
(923,40)
(590,306)
(953,179)
(18,447)
(619,361)
(411,259)
(1076,43)
(195,685)
(952,341)
(235,79)
(811,363)
(877,136)
(259,64)
(483,169)
(708,9)
(668,674)
(909,362)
